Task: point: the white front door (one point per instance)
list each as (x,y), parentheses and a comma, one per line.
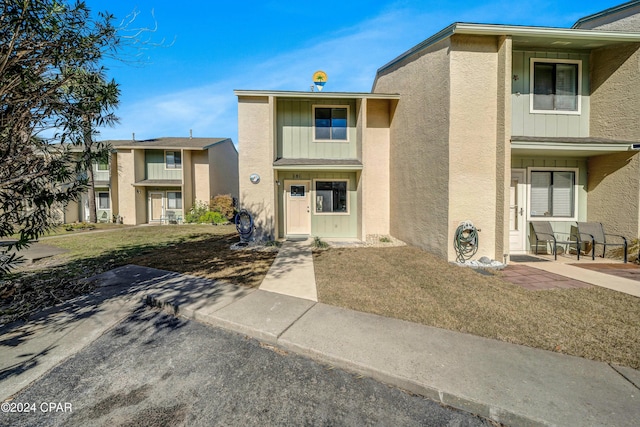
(156,206)
(517,211)
(298,207)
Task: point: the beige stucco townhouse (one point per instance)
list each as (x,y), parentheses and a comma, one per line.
(500,125)
(159,180)
(315,163)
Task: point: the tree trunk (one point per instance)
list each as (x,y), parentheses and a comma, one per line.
(88,158)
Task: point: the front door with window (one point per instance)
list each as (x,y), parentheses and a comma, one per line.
(517,212)
(156,205)
(298,207)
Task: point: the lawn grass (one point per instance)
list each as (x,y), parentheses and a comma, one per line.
(200,250)
(410,284)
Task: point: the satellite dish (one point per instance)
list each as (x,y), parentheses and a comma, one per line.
(319,79)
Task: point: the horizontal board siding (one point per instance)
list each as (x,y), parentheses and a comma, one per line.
(155,167)
(524,123)
(295,131)
(518,162)
(337,226)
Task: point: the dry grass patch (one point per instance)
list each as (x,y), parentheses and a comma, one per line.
(199,250)
(410,284)
(213,259)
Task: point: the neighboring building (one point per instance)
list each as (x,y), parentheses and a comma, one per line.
(315,163)
(79,211)
(501,125)
(624,17)
(159,180)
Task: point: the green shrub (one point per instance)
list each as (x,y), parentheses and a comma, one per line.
(212,218)
(318,243)
(223,203)
(198,210)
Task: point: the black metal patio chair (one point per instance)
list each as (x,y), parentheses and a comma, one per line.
(543,232)
(594,232)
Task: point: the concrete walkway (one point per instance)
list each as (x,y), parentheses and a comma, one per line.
(292,271)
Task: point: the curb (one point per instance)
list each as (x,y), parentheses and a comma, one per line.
(487,411)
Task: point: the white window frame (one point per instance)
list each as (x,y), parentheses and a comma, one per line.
(313,194)
(98,193)
(532,82)
(176,198)
(166,164)
(576,195)
(313,119)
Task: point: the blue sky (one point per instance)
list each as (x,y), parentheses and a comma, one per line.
(212,47)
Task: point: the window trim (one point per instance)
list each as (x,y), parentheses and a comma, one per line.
(532,63)
(98,193)
(313,120)
(166,164)
(576,195)
(313,195)
(176,198)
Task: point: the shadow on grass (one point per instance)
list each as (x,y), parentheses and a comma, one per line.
(54,300)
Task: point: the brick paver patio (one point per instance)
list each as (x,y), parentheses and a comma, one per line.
(535,279)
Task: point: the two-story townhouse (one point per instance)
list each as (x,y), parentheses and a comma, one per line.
(315,163)
(501,125)
(505,125)
(159,180)
(78,211)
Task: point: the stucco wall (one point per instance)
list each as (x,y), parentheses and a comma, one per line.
(223,169)
(200,177)
(614,187)
(614,114)
(126,193)
(256,155)
(419,153)
(473,179)
(375,175)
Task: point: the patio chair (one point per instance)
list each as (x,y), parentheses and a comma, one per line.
(594,231)
(544,233)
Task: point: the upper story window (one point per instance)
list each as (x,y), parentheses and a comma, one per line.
(173,159)
(330,123)
(555,86)
(103,166)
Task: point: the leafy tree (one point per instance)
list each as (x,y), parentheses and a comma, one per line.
(91,101)
(49,50)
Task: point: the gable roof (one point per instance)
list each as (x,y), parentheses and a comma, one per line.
(607,12)
(522,36)
(175,143)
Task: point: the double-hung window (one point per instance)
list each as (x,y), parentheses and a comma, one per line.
(174,200)
(555,86)
(173,159)
(553,194)
(103,166)
(330,123)
(331,197)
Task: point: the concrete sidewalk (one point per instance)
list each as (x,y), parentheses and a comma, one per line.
(292,271)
